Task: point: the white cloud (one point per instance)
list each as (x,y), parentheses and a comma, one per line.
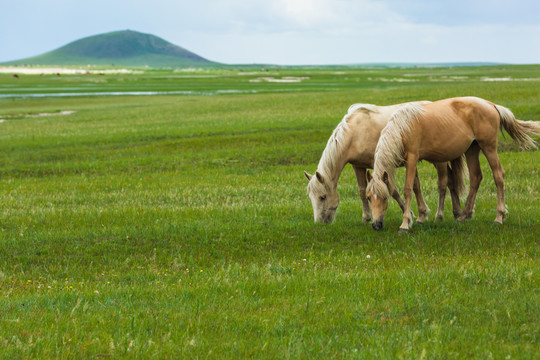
(345,31)
(280,16)
(306,13)
(399,42)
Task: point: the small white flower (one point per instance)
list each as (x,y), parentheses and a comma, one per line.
(369,256)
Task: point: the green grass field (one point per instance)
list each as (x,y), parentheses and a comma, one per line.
(178,226)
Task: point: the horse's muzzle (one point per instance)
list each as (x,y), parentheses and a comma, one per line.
(326,218)
(377,224)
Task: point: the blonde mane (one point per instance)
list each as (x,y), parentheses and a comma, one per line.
(337,144)
(389,150)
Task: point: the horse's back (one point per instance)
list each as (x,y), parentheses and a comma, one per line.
(449,126)
(468,109)
(365,122)
(467,115)
(368,116)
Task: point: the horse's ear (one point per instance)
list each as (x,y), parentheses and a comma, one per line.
(319,177)
(308,176)
(385,179)
(368,176)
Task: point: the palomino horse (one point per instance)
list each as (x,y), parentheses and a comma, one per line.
(442,131)
(354,141)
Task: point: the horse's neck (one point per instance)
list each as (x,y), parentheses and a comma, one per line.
(336,154)
(334,173)
(332,168)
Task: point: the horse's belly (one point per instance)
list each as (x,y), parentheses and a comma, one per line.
(445,150)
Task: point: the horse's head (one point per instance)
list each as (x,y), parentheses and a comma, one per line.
(378,199)
(324,197)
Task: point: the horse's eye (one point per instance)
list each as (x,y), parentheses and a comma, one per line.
(323,197)
(369,199)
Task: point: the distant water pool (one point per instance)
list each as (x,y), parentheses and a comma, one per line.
(127,93)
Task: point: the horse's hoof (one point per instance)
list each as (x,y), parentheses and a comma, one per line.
(403,231)
(420,223)
(496,223)
(366,220)
(438,218)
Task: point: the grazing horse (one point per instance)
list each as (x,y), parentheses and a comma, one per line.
(442,131)
(354,141)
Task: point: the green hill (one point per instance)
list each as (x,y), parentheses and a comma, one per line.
(124,48)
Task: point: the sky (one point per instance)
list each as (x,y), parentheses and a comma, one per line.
(290,32)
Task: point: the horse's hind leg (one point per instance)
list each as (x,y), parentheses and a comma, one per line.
(423,209)
(475,178)
(455,178)
(442,183)
(498,175)
(362,183)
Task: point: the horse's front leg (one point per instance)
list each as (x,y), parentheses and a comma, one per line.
(362,183)
(423,209)
(410,169)
(395,195)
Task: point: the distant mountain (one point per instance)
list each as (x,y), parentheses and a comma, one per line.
(124,48)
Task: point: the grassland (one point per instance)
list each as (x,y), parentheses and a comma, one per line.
(178,226)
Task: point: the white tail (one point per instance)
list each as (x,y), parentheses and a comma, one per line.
(519,130)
